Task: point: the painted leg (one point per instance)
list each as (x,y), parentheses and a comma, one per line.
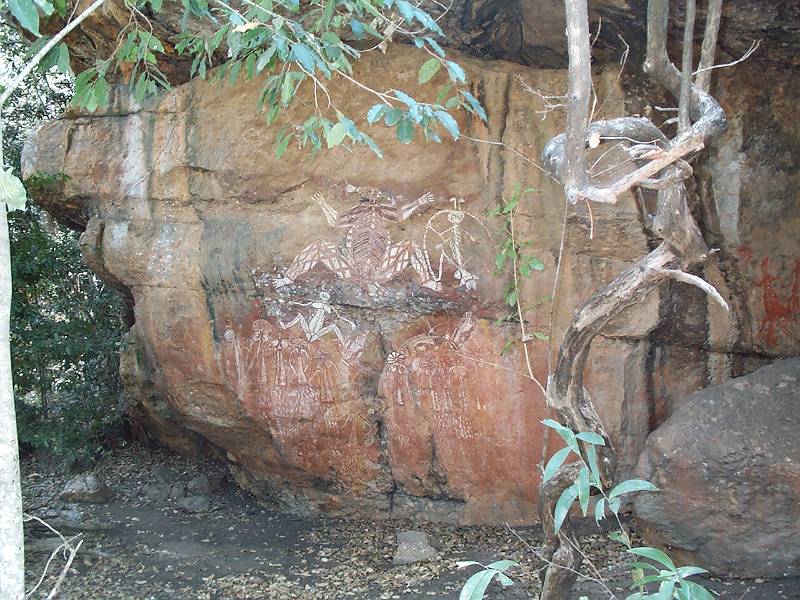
(317,252)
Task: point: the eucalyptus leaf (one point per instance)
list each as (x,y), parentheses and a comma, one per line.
(25,12)
(555,462)
(336,134)
(632,485)
(563,505)
(448,122)
(475,588)
(429,69)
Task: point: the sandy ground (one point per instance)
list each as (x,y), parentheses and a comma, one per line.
(137,549)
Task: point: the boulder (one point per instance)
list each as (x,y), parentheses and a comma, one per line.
(412,547)
(157,492)
(204,484)
(164,474)
(194,504)
(728,466)
(86,487)
(177,491)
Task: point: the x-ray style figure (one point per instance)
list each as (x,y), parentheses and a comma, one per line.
(451,241)
(368,255)
(315,327)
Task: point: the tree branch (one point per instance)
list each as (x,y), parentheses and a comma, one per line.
(713,16)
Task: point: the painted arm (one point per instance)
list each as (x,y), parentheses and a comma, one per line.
(340,317)
(330,213)
(291,323)
(409,209)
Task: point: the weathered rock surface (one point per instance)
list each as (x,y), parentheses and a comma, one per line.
(86,487)
(412,547)
(334,379)
(728,466)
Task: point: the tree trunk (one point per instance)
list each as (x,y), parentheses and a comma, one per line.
(12,557)
(682,246)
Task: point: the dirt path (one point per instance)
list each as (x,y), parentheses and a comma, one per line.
(238,549)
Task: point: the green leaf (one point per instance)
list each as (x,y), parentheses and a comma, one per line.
(157,4)
(654,554)
(697,591)
(357,27)
(392,117)
(448,122)
(600,510)
(375,113)
(476,106)
(591,455)
(475,588)
(642,566)
(101,91)
(12,192)
(45,7)
(632,485)
(555,462)
(435,46)
(429,69)
(563,505)
(62,62)
(25,12)
(541,335)
(689,571)
(327,13)
(264,59)
(621,537)
(282,145)
(456,72)
(583,490)
(336,134)
(405,130)
(591,438)
(504,579)
(304,56)
(512,297)
(565,432)
(502,565)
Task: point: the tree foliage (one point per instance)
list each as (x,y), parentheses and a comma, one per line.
(65,326)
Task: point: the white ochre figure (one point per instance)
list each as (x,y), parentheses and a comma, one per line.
(368,255)
(452,239)
(314,327)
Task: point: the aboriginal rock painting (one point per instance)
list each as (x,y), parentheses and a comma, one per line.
(450,413)
(781,311)
(428,370)
(367,255)
(294,374)
(446,232)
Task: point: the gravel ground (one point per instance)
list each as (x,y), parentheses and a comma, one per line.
(137,549)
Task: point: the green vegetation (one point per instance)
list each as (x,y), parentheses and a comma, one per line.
(65,325)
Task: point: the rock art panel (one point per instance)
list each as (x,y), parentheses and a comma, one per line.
(367,255)
(298,379)
(457,413)
(328,324)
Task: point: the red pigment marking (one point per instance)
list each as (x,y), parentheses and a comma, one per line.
(778,313)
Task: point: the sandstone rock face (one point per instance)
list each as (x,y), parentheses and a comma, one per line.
(339,344)
(728,466)
(350,364)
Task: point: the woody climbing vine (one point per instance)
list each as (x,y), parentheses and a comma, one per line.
(662,169)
